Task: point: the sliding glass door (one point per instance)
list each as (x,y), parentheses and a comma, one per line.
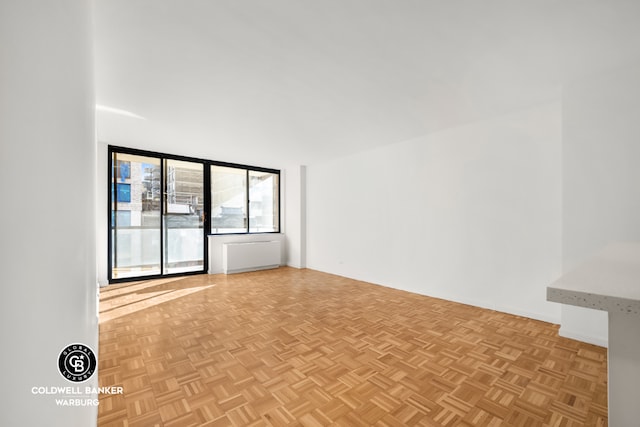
(157,207)
(135,215)
(183,219)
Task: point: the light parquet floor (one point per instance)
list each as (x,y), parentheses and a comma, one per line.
(292,347)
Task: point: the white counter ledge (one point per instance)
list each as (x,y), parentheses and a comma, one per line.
(611,281)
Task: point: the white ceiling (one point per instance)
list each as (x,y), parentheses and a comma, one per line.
(278,82)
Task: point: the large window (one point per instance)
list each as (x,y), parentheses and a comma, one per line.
(263,202)
(158,207)
(228,200)
(244,200)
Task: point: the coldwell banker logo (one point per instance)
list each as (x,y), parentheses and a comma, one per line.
(77,363)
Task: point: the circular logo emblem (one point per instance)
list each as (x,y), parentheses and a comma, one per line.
(77,363)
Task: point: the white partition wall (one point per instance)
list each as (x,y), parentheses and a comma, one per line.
(609,281)
(47,220)
(601,201)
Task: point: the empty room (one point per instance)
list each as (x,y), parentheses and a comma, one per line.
(320,213)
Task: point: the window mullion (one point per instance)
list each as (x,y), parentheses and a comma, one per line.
(248,201)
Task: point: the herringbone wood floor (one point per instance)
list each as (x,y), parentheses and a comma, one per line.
(294,347)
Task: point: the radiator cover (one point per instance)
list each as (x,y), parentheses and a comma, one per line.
(250,256)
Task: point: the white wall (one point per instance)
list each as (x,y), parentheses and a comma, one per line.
(471,214)
(47,220)
(601,178)
(294,214)
(102,213)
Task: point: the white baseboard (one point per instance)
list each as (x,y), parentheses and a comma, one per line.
(600,341)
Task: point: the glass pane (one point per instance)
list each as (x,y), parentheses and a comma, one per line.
(263,206)
(183,217)
(135,216)
(228,200)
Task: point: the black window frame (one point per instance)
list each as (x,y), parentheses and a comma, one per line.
(207,163)
(247,170)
